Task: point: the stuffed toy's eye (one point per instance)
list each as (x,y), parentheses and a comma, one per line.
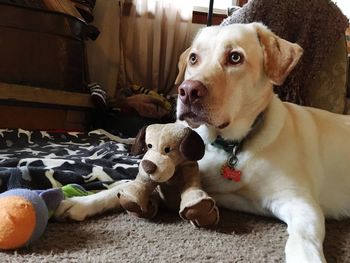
(167,149)
(149,146)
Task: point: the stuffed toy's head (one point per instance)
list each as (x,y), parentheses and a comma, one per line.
(166,147)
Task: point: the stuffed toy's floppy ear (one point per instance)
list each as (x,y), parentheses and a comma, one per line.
(280,56)
(139,145)
(192,146)
(182,66)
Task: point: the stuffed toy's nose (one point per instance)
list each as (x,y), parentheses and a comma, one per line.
(148,166)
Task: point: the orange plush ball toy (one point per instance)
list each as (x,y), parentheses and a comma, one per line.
(24,215)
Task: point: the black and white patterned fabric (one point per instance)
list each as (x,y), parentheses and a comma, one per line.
(42,160)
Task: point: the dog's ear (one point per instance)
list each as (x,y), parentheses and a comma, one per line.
(139,145)
(192,146)
(182,66)
(280,56)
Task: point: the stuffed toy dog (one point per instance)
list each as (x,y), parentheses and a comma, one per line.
(169,173)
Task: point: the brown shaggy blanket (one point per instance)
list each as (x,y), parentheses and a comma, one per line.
(315,25)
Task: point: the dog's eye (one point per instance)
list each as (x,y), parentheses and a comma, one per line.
(235,58)
(193,58)
(167,149)
(149,146)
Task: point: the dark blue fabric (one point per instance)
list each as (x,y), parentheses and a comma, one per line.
(42,160)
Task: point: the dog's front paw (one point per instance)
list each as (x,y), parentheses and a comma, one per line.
(202,214)
(75,208)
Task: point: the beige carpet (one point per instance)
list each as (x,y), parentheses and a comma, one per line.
(118,237)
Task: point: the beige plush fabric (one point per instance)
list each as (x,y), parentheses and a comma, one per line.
(118,237)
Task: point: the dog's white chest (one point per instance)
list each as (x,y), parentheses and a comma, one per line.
(210,168)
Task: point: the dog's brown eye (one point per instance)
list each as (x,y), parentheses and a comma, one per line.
(167,149)
(235,58)
(149,146)
(193,58)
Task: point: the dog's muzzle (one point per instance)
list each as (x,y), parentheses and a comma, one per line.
(190,106)
(192,92)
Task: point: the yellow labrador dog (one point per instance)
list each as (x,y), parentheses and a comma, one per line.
(273,158)
(262,155)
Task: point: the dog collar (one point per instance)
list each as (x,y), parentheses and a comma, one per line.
(233,148)
(226,145)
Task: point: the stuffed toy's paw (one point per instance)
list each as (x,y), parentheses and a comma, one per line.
(146,211)
(203,214)
(136,199)
(24,215)
(199,208)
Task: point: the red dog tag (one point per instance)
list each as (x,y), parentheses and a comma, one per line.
(231,173)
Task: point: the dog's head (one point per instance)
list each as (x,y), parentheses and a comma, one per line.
(167,146)
(228,76)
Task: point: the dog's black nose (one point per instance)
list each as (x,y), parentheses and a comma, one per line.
(191,91)
(148,166)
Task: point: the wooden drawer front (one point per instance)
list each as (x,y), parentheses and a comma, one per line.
(38,118)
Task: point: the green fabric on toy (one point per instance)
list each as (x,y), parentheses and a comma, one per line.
(25,213)
(72,190)
(169,173)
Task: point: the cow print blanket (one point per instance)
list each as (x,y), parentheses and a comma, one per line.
(42,160)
